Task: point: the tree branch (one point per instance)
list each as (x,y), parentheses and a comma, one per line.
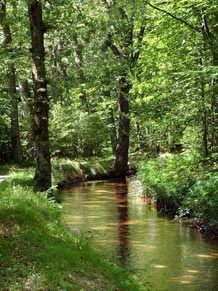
(116,51)
(136,54)
(174,17)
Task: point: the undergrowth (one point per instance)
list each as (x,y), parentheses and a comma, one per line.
(183,185)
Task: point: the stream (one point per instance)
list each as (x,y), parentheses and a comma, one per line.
(115,216)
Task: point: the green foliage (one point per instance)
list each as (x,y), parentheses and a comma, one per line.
(183,185)
(168,176)
(201,200)
(38,252)
(78,134)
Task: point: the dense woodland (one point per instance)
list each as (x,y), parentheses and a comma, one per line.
(100,89)
(83,79)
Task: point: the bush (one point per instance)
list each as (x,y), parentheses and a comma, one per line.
(168,178)
(202,200)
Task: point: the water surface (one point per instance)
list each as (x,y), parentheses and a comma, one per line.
(117,218)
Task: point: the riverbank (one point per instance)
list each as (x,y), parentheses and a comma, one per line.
(38,251)
(184,187)
(71,172)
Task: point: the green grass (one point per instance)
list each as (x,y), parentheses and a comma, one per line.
(38,252)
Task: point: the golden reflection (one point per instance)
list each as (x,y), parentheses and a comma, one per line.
(159,266)
(185,282)
(94,202)
(193,271)
(187,277)
(102,191)
(202,256)
(123,206)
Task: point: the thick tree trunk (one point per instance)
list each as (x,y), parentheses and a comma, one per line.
(41,102)
(122,150)
(15,130)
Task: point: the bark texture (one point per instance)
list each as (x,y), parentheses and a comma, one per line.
(41,102)
(122,150)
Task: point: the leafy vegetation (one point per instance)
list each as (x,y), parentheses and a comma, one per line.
(183,186)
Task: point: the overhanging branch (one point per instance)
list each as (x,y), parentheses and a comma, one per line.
(174,17)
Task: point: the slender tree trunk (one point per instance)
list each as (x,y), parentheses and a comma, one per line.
(113,131)
(41,102)
(204,121)
(122,150)
(26,96)
(15,130)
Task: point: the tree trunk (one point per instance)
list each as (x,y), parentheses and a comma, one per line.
(15,130)
(113,131)
(122,150)
(26,96)
(209,39)
(41,102)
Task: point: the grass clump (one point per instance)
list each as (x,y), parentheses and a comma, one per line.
(37,251)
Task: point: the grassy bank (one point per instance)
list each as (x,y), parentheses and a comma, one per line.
(78,170)
(37,251)
(184,186)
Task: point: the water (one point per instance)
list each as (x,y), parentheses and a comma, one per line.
(114,214)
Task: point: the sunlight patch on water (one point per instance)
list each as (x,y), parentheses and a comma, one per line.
(159,266)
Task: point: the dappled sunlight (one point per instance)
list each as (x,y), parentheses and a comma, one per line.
(206,256)
(103,191)
(159,266)
(193,271)
(185,282)
(123,226)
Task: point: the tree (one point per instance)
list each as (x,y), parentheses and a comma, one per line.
(121,40)
(41,101)
(8,45)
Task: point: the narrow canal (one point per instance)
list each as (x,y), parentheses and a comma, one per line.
(160,251)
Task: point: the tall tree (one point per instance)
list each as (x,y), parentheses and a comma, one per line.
(121,41)
(41,101)
(8,45)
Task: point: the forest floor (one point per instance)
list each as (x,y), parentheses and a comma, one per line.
(37,250)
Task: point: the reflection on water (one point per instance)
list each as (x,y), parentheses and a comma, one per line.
(160,251)
(121,191)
